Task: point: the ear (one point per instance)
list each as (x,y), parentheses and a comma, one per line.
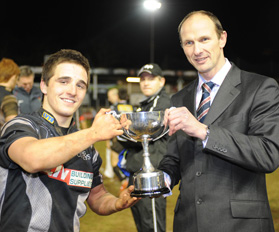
(14,79)
(162,81)
(12,82)
(43,87)
(223,39)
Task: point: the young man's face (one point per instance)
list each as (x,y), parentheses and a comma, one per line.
(150,84)
(65,91)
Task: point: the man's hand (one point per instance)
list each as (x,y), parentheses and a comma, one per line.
(182,119)
(105,126)
(125,200)
(104,203)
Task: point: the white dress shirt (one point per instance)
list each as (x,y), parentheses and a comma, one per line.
(217,80)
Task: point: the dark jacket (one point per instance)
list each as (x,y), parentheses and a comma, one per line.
(28,102)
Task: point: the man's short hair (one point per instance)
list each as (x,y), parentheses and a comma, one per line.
(64,56)
(218,26)
(25,71)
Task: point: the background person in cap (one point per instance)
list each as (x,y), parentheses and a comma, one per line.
(28,96)
(152,86)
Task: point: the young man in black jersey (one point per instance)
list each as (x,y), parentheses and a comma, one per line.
(48,168)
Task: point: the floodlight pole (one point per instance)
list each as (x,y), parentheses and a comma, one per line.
(152,6)
(152,37)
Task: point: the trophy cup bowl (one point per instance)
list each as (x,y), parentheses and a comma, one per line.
(145,127)
(144,123)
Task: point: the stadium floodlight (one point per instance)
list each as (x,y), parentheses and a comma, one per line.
(152,5)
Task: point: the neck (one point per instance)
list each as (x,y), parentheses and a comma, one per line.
(211,73)
(64,122)
(7,86)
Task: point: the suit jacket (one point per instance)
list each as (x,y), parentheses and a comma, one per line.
(222,186)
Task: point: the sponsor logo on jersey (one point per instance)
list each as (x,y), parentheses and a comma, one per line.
(72,177)
(81,179)
(48,117)
(84,155)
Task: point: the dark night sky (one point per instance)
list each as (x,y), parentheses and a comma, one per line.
(116,33)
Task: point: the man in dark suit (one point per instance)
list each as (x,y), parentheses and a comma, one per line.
(221,155)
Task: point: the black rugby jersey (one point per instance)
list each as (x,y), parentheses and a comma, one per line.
(44,201)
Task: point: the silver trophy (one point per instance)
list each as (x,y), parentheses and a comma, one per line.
(145,127)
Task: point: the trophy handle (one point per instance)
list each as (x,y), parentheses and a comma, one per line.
(160,136)
(118,116)
(128,137)
(114,114)
(164,133)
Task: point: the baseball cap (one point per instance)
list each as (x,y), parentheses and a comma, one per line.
(152,68)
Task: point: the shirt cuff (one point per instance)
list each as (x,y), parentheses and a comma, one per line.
(167,184)
(204,142)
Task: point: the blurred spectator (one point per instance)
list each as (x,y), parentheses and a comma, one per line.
(9,72)
(28,96)
(118,98)
(87,117)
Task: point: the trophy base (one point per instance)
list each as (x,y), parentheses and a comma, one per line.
(152,193)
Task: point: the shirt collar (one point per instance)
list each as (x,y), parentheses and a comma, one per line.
(48,117)
(219,76)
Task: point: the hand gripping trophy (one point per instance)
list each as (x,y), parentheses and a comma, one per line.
(145,127)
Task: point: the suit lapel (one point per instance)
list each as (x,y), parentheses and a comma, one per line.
(225,96)
(189,99)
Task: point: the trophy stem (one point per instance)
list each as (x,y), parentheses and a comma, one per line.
(147,165)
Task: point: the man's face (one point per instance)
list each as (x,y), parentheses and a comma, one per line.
(150,84)
(113,96)
(26,82)
(201,45)
(65,91)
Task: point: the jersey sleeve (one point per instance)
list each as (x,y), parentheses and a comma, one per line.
(9,106)
(13,130)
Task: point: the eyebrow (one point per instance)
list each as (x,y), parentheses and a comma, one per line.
(69,78)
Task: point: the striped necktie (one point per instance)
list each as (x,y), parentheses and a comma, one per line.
(205,101)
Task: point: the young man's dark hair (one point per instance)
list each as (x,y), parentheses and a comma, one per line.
(64,55)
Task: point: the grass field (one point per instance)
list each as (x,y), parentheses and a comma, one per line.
(123,221)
